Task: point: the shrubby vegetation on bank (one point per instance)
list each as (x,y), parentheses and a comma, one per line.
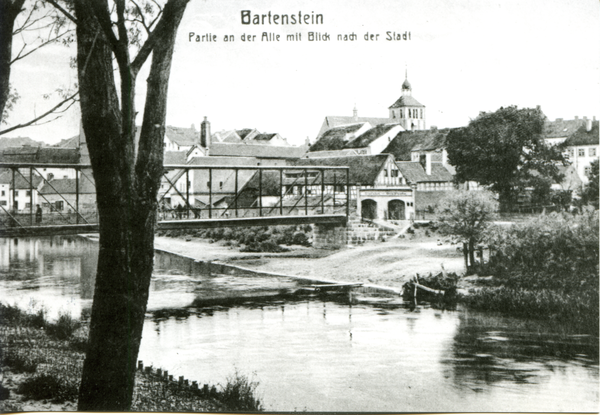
(547,267)
(50,356)
(252,239)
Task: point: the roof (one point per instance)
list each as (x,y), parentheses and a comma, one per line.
(332,153)
(406,101)
(335,138)
(20,181)
(416,140)
(220,176)
(332,121)
(30,154)
(561,128)
(582,137)
(414,172)
(244,132)
(256,150)
(263,137)
(175,157)
(182,136)
(72,142)
(370,135)
(271,185)
(65,186)
(406,84)
(362,169)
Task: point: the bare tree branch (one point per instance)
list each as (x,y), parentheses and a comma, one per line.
(143,20)
(63,11)
(53,110)
(22,55)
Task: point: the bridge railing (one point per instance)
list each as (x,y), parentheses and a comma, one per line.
(35,194)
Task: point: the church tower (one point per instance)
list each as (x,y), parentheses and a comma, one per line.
(407,111)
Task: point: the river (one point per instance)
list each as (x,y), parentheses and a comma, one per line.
(322,354)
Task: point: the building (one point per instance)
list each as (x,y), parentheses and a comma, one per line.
(582,148)
(377,187)
(19,191)
(407,111)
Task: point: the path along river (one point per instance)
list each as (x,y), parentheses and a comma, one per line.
(323,354)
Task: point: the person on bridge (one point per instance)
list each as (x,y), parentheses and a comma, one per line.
(38,214)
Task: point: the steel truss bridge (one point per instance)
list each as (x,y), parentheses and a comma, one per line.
(38,199)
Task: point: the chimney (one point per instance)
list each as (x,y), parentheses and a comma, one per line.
(193,127)
(576,118)
(205,134)
(355,113)
(588,125)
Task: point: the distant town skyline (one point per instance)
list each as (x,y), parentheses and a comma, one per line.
(463,57)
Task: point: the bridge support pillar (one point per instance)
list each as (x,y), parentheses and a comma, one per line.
(329,236)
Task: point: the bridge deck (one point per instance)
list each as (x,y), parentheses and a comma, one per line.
(338,219)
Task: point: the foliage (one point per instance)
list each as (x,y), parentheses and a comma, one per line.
(64,327)
(18,363)
(257,238)
(504,150)
(239,394)
(46,386)
(466,214)
(557,251)
(590,191)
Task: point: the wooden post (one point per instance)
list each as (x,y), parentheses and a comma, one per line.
(466,255)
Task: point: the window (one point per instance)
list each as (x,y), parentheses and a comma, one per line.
(393,114)
(340,189)
(28,193)
(221,185)
(3,193)
(394,173)
(2,202)
(571,153)
(208,184)
(421,111)
(587,170)
(593,152)
(581,152)
(385,173)
(58,205)
(27,205)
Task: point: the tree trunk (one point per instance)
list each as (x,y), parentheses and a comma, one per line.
(472,253)
(127,181)
(9,10)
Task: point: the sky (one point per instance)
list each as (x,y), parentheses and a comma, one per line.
(463,57)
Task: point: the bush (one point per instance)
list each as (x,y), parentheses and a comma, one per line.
(48,387)
(64,327)
(18,363)
(239,394)
(557,251)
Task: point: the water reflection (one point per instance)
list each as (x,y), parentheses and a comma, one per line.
(323,353)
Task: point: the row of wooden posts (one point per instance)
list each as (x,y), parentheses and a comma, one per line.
(181,382)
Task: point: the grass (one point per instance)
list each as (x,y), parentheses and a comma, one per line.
(50,358)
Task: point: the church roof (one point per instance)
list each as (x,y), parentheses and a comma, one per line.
(406,101)
(406,84)
(332,121)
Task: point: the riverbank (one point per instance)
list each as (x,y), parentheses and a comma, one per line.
(42,362)
(389,264)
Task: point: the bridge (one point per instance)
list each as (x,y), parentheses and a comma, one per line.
(38,199)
